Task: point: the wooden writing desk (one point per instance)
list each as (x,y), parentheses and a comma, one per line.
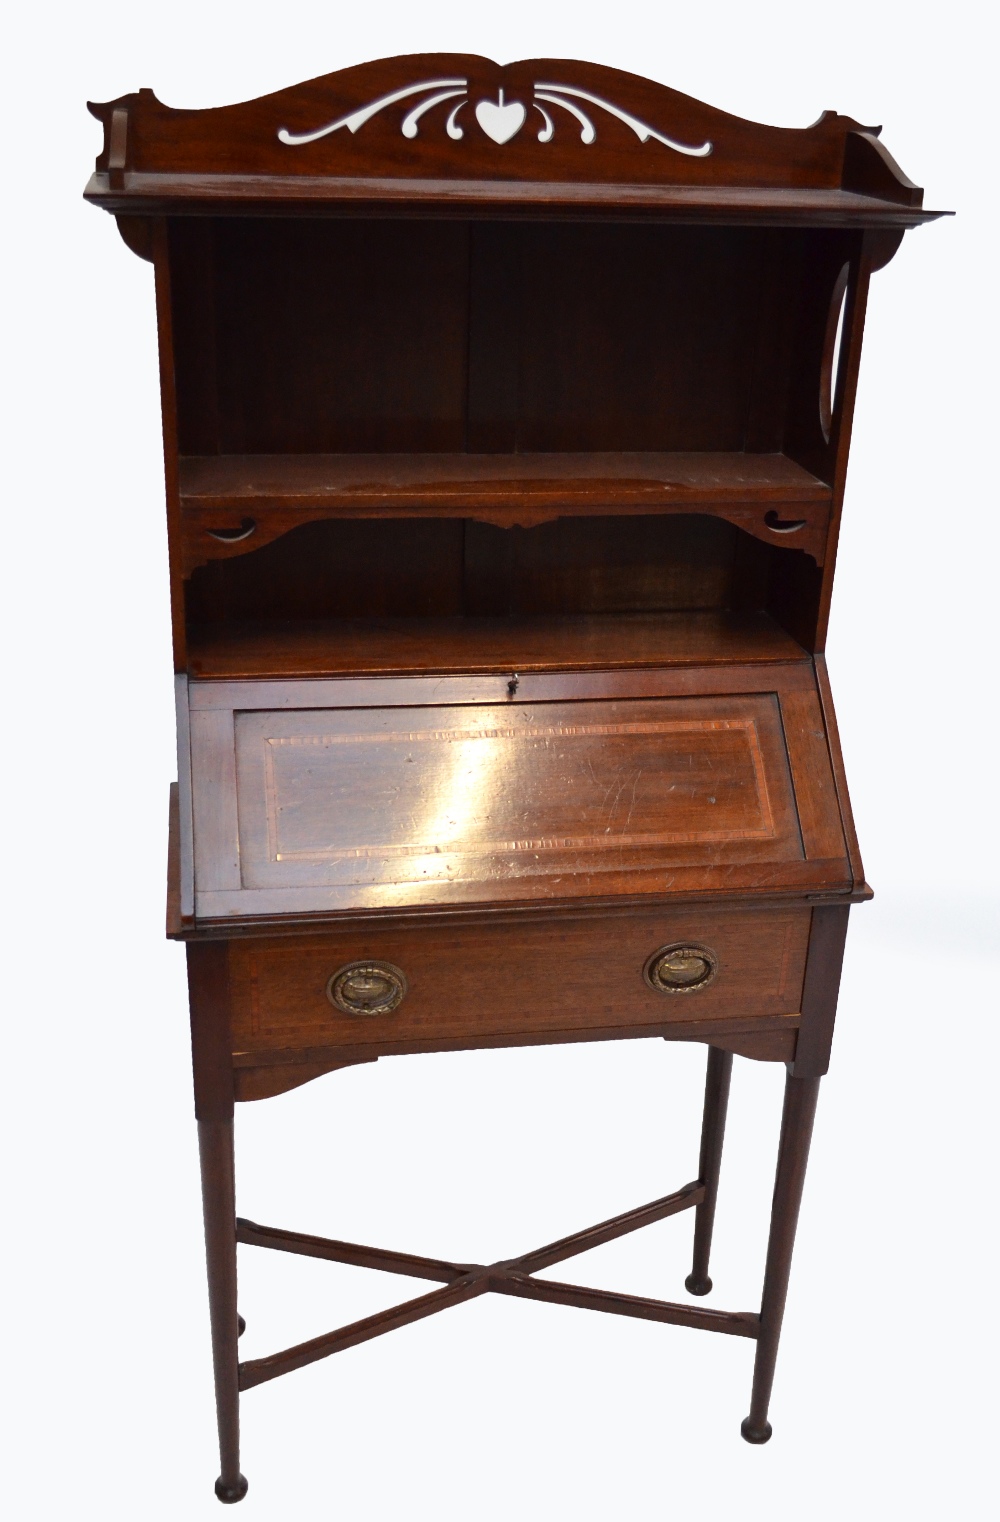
(506,417)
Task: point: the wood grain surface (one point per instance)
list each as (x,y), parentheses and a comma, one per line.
(515,790)
(329,795)
(629,477)
(522,643)
(256,499)
(473,983)
(653,149)
(763,1038)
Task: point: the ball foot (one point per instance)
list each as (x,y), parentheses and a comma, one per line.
(695,1286)
(756,1432)
(241,1326)
(231,1493)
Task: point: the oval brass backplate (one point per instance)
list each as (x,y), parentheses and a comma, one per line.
(681,969)
(367,988)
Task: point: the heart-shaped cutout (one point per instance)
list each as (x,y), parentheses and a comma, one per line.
(501,122)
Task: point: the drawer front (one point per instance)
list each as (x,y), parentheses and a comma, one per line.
(403,988)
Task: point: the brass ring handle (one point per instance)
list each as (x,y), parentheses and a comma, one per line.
(681,969)
(367,988)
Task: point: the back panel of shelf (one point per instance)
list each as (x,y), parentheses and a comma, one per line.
(356,595)
(365,336)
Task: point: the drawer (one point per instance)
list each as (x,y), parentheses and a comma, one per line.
(394,989)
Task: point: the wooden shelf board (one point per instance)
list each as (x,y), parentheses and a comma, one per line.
(384,647)
(156,193)
(627,477)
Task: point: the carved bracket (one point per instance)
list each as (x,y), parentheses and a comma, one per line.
(221,534)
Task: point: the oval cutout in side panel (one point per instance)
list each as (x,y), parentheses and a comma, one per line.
(832,344)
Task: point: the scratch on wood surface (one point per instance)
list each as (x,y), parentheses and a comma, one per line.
(631,806)
(619,788)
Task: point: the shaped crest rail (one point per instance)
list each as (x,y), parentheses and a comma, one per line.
(453,131)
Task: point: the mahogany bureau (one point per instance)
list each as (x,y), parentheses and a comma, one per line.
(506,415)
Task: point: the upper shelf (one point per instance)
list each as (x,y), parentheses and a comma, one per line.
(434,481)
(453,134)
(235,503)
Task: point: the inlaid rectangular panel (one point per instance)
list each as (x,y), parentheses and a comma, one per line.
(314,797)
(414,795)
(469,983)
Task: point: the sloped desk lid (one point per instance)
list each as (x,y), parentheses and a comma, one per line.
(440,134)
(344,796)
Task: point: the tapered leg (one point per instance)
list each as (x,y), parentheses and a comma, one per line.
(793,1154)
(215,1142)
(713,1130)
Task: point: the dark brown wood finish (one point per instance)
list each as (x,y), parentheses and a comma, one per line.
(658,783)
(208,982)
(762,1038)
(211,1033)
(464,1281)
(797,1118)
(215,1144)
(471,985)
(827,937)
(763,814)
(506,428)
(839,773)
(254,499)
(168,402)
(235,159)
(713,1130)
(498,645)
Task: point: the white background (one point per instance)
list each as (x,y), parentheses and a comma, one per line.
(882,1405)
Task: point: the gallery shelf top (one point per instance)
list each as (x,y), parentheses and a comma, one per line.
(444,134)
